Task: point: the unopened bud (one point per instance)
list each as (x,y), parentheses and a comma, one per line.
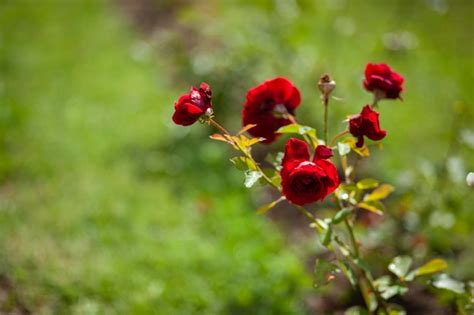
(326,84)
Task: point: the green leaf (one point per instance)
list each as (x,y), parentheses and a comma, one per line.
(326,236)
(368,295)
(349,273)
(395,309)
(348,192)
(356,310)
(433,266)
(400,266)
(380,192)
(243,163)
(391,291)
(324,272)
(300,130)
(270,205)
(387,290)
(362,264)
(444,281)
(343,148)
(367,183)
(291,128)
(275,160)
(373,206)
(341,215)
(276,180)
(383,281)
(251,177)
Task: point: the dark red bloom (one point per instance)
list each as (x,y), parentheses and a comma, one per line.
(266,105)
(383,81)
(366,124)
(305,181)
(193,105)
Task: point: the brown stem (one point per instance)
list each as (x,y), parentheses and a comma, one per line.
(218,126)
(340,134)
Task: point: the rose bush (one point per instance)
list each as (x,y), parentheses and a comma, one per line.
(268,113)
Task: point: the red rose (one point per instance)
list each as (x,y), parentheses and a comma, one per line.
(266,104)
(366,124)
(305,181)
(383,81)
(193,105)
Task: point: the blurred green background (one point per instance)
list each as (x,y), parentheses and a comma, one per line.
(106,207)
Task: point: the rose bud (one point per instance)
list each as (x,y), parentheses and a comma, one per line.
(305,181)
(269,106)
(190,107)
(326,84)
(383,81)
(366,124)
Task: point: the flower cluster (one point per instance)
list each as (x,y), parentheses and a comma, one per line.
(272,105)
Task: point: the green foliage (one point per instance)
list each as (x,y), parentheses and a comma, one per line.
(104,208)
(433,266)
(341,215)
(301,130)
(444,281)
(367,183)
(400,266)
(324,272)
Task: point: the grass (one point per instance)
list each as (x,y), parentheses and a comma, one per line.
(94,218)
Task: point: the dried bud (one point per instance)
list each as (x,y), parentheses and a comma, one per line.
(326,84)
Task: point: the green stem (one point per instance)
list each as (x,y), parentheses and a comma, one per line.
(308,214)
(365,274)
(378,95)
(325,103)
(355,246)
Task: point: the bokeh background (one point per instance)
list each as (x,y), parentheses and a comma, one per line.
(106,207)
